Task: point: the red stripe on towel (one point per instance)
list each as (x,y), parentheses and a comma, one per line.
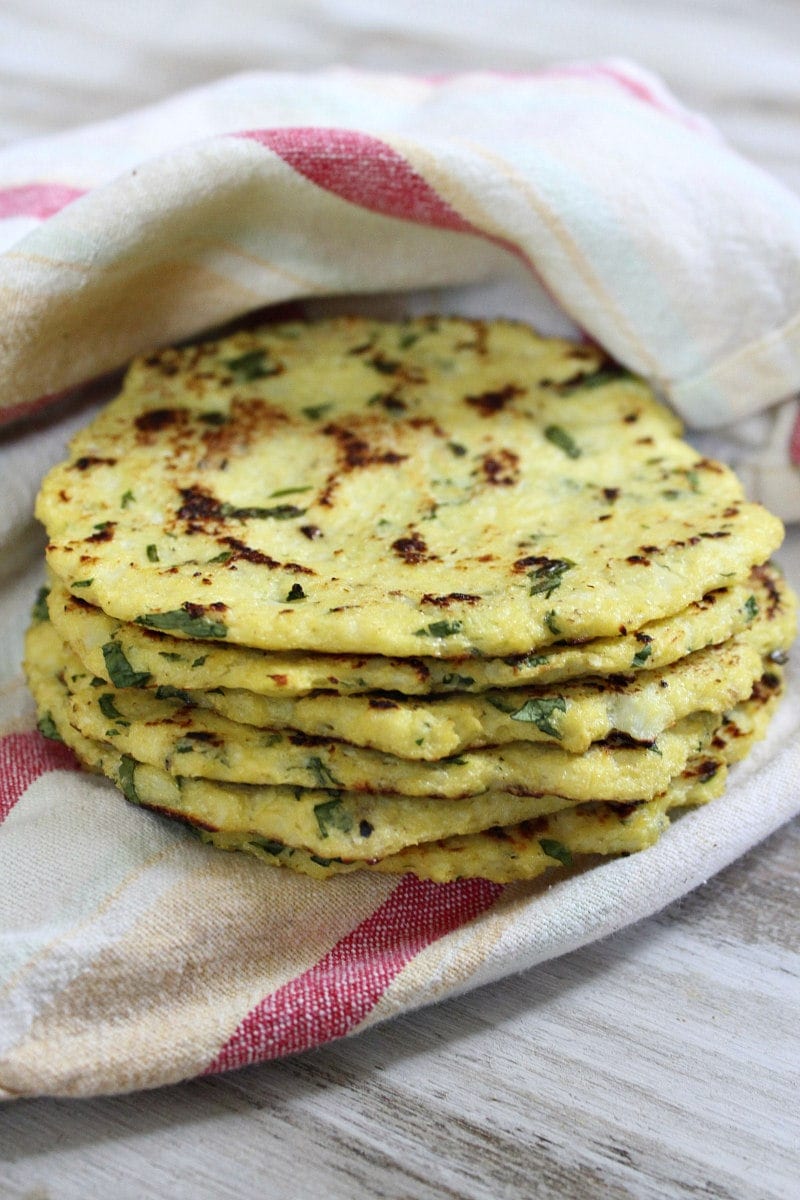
(36,199)
(794,442)
(23,758)
(363,170)
(336,995)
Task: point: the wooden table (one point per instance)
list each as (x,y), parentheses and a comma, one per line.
(662,1062)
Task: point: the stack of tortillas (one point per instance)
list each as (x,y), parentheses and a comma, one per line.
(437,596)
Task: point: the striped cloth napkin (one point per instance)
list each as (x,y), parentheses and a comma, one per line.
(584,198)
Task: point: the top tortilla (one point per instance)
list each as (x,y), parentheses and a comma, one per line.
(435,486)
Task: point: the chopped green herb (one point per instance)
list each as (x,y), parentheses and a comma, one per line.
(152,552)
(457,449)
(127,498)
(641,656)
(184,746)
(750,608)
(408,339)
(213,418)
(693,480)
(332,814)
(40,612)
(103,525)
(559,437)
(109,709)
(98,682)
(222,558)
(596,379)
(551,622)
(547,576)
(530,660)
(267,845)
(82,583)
(454,680)
(323,776)
(126,776)
(169,656)
(557,850)
(316,411)
(278,512)
(654,748)
(252,365)
(198,662)
(47,726)
(291,491)
(295,593)
(384,366)
(439,629)
(120,671)
(322,862)
(180,619)
(165,691)
(539,711)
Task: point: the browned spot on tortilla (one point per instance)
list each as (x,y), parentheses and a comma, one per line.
(83,464)
(105,534)
(240,550)
(450,598)
(490,403)
(413,549)
(501,468)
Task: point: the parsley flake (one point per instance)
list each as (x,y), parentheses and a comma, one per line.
(40,612)
(120,671)
(332,814)
(559,437)
(641,656)
(184,622)
(439,629)
(109,709)
(126,775)
(551,622)
(252,365)
(314,412)
(539,711)
(546,577)
(323,775)
(267,845)
(556,850)
(47,727)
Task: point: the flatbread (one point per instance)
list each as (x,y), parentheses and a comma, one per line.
(120,652)
(191,743)
(574,715)
(164,726)
(442,486)
(309,830)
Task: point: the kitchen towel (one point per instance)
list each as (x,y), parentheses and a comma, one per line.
(583,198)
